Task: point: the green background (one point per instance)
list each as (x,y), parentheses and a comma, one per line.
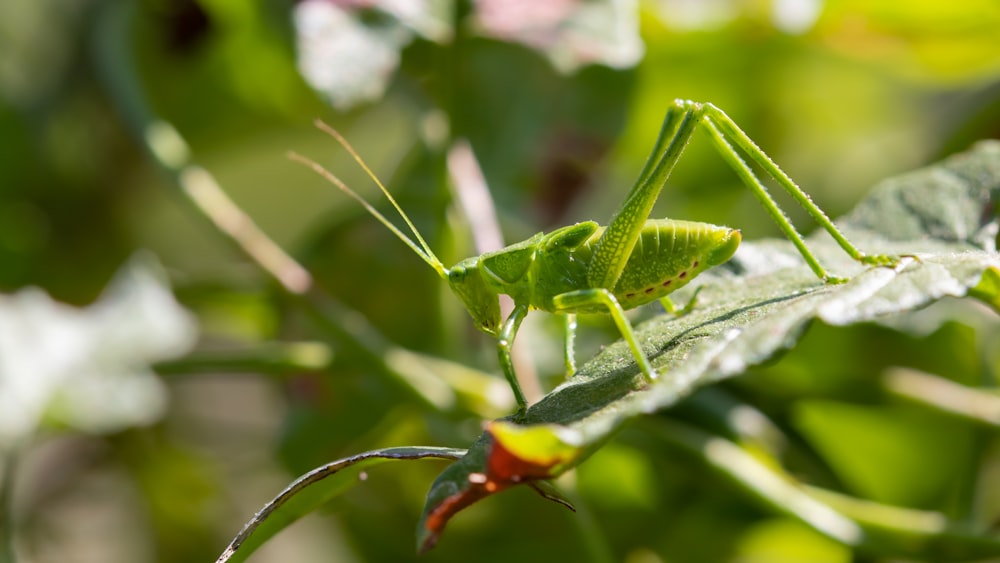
(864,91)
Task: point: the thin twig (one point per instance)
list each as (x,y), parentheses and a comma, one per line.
(475,201)
(8,466)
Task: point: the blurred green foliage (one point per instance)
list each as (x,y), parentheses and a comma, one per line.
(840,96)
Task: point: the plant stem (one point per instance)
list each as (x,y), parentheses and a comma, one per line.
(8,464)
(167,148)
(278,358)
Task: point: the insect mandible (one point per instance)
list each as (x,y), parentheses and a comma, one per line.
(586,268)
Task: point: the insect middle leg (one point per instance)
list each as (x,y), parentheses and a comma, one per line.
(588,299)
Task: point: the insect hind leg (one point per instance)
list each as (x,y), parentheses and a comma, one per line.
(725,133)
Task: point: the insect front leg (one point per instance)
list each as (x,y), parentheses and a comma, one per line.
(569,343)
(588,298)
(505,342)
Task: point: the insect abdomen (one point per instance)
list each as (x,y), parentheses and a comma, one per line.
(669,254)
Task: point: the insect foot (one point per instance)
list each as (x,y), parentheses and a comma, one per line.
(881,260)
(651,377)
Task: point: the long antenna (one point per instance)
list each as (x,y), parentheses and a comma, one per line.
(322,126)
(423,250)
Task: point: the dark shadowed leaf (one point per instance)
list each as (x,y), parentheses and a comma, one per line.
(315,488)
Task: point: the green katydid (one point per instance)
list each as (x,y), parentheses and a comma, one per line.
(585,268)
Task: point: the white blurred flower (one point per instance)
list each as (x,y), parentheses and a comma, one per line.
(88,368)
(350,60)
(572,33)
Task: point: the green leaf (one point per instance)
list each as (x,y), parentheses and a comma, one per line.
(937,41)
(881,465)
(988,289)
(876,529)
(941,219)
(311,490)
